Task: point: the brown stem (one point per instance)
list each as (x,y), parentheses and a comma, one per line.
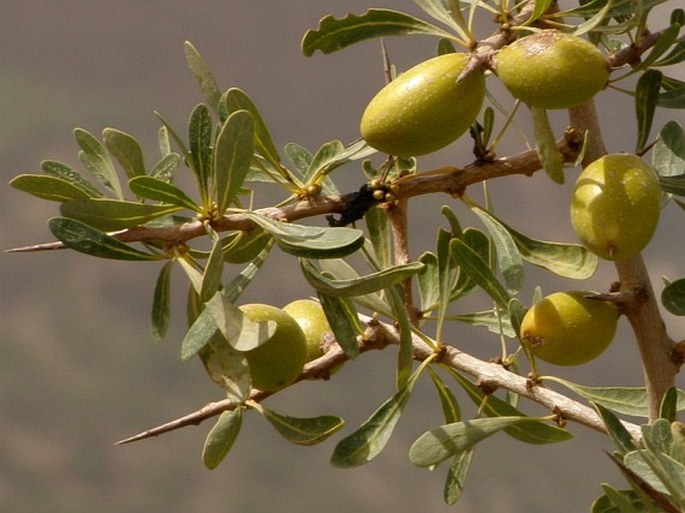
(656,347)
(378,336)
(449,179)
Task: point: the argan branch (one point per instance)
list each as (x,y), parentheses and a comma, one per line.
(449,179)
(378,336)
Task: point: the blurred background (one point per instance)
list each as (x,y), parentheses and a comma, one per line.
(77,368)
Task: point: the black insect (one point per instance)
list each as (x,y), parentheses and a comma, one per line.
(358,203)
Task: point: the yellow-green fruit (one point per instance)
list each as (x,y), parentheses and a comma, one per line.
(616,205)
(568,328)
(278,361)
(311,318)
(552,70)
(425,108)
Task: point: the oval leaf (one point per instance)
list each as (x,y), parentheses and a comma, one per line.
(109,215)
(160,190)
(344,322)
(221,438)
(363,284)
(303,431)
(673,297)
(370,438)
(85,239)
(200,70)
(161,310)
(126,150)
(311,241)
(334,34)
(232,157)
(49,188)
(646,94)
(438,444)
(97,160)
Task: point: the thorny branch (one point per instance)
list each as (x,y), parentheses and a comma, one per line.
(378,336)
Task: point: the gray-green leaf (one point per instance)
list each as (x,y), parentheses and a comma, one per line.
(221,438)
(303,431)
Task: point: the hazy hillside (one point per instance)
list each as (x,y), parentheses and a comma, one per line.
(77,370)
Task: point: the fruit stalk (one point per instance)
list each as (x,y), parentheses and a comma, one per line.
(655,346)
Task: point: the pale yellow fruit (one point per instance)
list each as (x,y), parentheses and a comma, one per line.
(311,318)
(552,70)
(425,108)
(277,362)
(568,328)
(616,205)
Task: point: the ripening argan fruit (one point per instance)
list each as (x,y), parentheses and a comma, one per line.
(568,328)
(425,108)
(552,70)
(278,361)
(311,318)
(615,206)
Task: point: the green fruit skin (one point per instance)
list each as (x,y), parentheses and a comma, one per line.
(425,108)
(277,362)
(312,319)
(616,205)
(552,70)
(567,328)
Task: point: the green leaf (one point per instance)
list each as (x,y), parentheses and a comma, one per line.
(344,322)
(331,156)
(237,285)
(200,137)
(508,256)
(550,157)
(646,94)
(665,41)
(311,241)
(241,247)
(232,157)
(211,278)
(450,405)
(48,187)
(476,268)
(429,281)
(619,434)
(339,269)
(405,355)
(299,156)
(109,215)
(540,8)
(174,135)
(160,190)
(495,321)
(220,439)
(200,70)
(236,99)
(673,297)
(378,227)
(456,476)
(617,501)
(303,431)
(567,260)
(370,438)
(199,334)
(166,167)
(361,285)
(675,56)
(65,172)
(126,150)
(97,160)
(439,11)
(438,444)
(161,310)
(668,155)
(624,400)
(536,433)
(672,98)
(669,403)
(334,34)
(85,239)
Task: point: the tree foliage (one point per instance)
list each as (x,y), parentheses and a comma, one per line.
(119,206)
